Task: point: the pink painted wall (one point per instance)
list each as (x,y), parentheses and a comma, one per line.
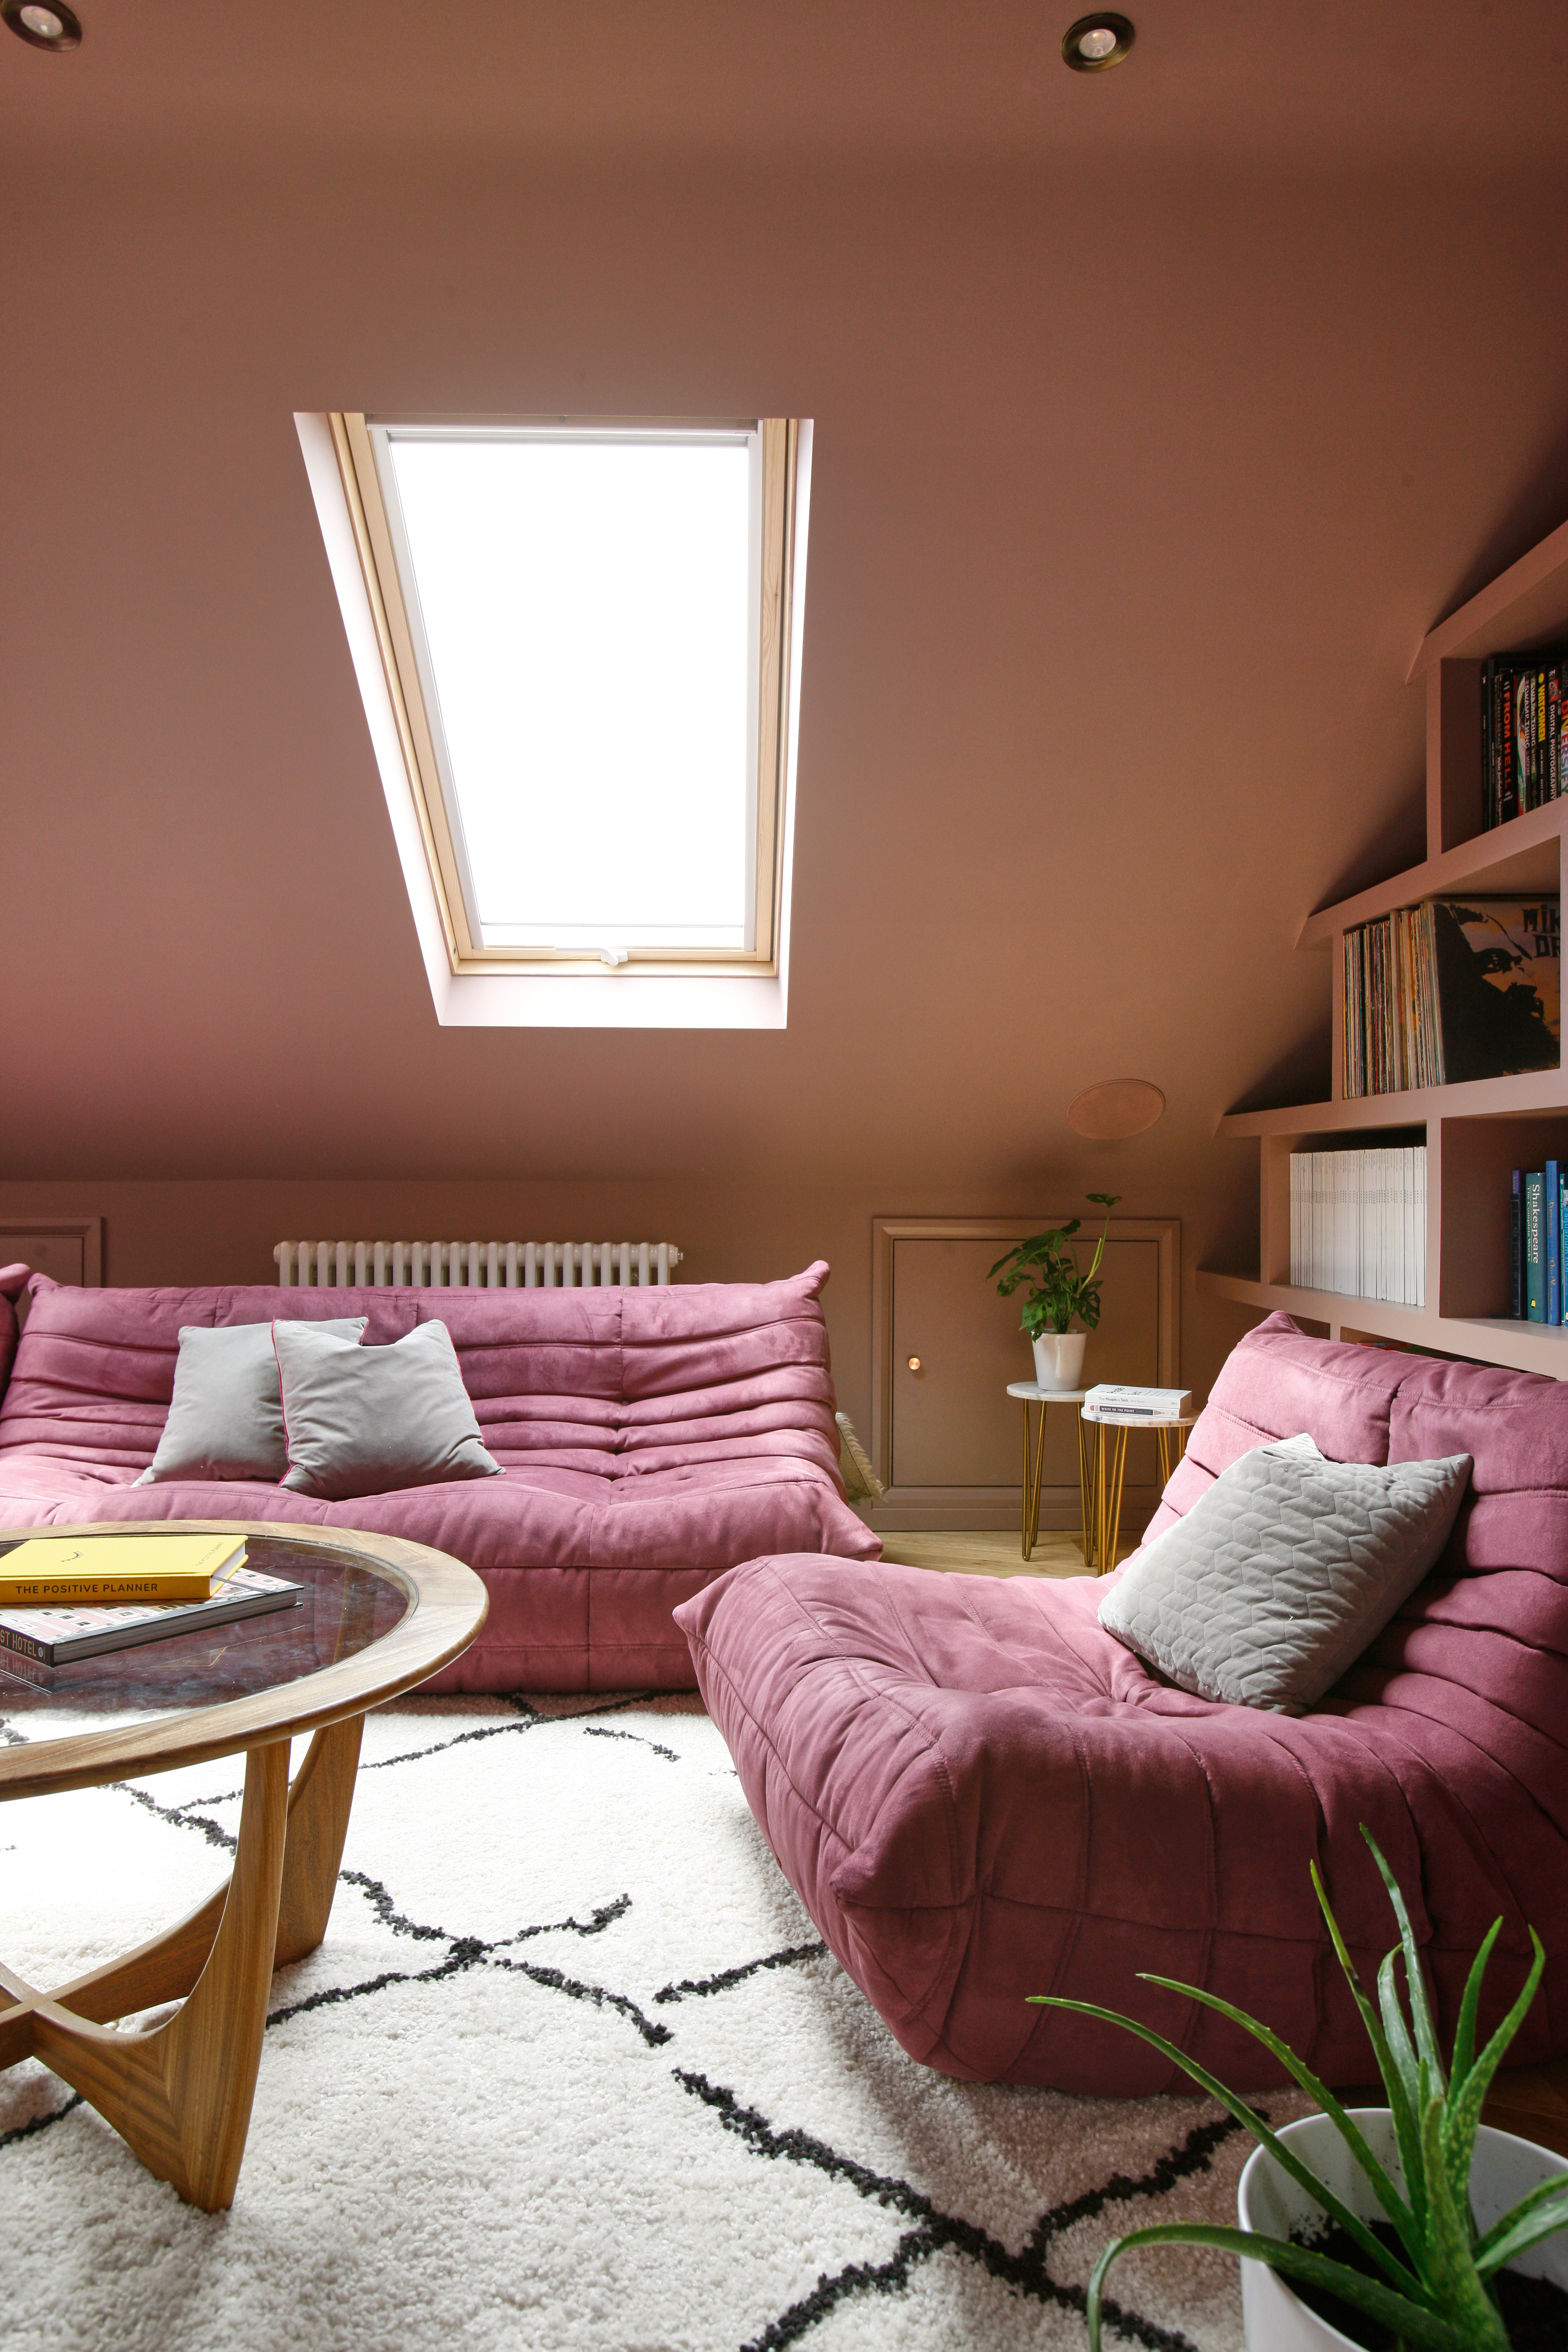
(1157,418)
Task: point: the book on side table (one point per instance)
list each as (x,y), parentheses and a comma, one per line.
(1109,1401)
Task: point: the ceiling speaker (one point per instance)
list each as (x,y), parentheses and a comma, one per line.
(1119,1107)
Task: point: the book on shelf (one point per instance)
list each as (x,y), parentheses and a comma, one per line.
(1110,1399)
(1537,1205)
(1524,755)
(1358,1222)
(1452,990)
(1534,1247)
(55,1637)
(51,1570)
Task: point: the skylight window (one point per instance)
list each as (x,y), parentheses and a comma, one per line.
(584,627)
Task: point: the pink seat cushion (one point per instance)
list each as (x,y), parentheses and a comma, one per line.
(980,1794)
(650,1439)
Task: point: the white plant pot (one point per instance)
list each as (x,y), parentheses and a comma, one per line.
(1059,1359)
(1270,2202)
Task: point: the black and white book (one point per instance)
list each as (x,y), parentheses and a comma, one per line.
(1110,1401)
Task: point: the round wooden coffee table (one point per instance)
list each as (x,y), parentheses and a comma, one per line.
(376,1616)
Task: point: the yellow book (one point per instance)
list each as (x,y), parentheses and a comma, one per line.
(58,1571)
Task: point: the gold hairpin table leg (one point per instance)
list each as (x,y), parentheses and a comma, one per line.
(1110,1470)
(1032,1480)
(1088,1493)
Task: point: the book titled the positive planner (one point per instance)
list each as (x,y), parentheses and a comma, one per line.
(54,1637)
(56,1571)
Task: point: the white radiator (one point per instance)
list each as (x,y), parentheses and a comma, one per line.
(473,1265)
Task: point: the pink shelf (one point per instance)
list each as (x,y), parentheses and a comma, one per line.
(1493,1340)
(1531,1091)
(1521,606)
(1520,857)
(1476,1133)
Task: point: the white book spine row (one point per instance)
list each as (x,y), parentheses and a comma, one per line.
(1358,1223)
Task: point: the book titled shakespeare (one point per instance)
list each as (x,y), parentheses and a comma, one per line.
(55,1637)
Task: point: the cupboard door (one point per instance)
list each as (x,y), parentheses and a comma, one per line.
(951,1442)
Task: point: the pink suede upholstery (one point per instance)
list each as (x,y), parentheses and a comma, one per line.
(649,1439)
(980,1794)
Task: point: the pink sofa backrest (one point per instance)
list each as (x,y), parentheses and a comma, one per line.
(686,1372)
(1371,1404)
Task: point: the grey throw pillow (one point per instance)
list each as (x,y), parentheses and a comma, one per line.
(362,1421)
(1278,1577)
(225,1419)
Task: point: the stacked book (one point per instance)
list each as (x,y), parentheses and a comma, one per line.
(1451,989)
(1358,1223)
(67,1597)
(1524,754)
(1540,1243)
(1114,1400)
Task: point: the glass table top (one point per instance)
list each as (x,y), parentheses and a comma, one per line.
(342,1607)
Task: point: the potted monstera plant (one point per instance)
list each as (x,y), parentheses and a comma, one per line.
(1384,2228)
(1058,1293)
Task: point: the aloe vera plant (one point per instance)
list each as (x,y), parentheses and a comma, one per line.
(1434,2290)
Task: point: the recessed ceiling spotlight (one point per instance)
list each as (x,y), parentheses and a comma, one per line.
(1097,43)
(1115,1110)
(50,28)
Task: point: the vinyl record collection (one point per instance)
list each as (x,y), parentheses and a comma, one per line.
(1449,991)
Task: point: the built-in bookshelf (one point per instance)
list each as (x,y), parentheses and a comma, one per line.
(1475,1134)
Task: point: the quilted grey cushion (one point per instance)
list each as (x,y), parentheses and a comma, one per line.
(1278,1577)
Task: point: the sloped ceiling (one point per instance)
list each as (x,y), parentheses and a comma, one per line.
(1158,414)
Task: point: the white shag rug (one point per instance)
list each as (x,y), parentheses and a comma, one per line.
(571,2070)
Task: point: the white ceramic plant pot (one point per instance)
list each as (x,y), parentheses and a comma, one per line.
(1270,2202)
(1059,1359)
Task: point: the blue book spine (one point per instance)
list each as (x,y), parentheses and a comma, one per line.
(1518,1308)
(1534,1248)
(1550,1209)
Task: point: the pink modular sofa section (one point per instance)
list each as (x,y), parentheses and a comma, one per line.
(979,1794)
(650,1439)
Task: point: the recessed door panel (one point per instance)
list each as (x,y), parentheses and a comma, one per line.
(953,1424)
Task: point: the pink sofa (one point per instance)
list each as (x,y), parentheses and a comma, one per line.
(980,1794)
(649,1439)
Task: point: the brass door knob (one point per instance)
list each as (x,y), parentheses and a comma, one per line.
(914,1363)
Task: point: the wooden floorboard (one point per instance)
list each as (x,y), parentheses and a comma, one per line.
(991,1551)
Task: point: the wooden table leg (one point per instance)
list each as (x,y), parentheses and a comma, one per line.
(320,1802)
(181,2094)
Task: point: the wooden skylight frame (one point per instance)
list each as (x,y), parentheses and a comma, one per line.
(466,955)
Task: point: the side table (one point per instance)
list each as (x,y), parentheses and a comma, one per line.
(1109,1465)
(1031,1393)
